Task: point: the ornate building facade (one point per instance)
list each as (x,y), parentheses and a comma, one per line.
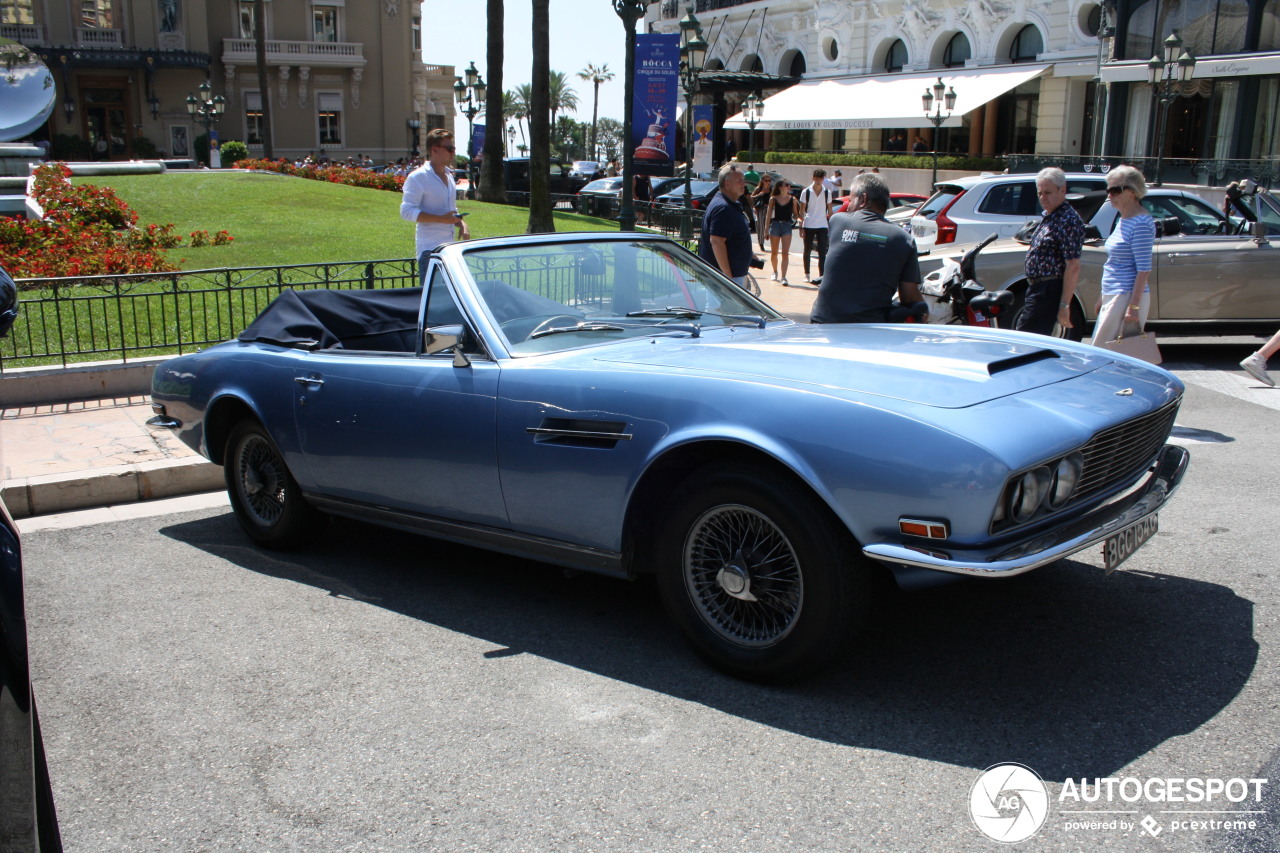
(344,78)
(1051,78)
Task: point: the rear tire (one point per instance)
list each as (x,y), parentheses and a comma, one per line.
(1008,318)
(759,575)
(266,499)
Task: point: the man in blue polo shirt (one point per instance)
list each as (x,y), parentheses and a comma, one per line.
(725,242)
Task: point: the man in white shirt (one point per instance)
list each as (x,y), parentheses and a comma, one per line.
(430,196)
(815,202)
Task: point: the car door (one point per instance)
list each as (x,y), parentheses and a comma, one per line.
(1227,277)
(401,430)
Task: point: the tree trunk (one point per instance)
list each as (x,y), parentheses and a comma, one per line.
(492,185)
(595,111)
(540,219)
(260,49)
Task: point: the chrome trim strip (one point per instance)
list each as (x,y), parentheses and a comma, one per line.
(579,433)
(1133,506)
(481,536)
(164,422)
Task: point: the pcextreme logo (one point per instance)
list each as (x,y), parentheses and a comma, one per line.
(1010,803)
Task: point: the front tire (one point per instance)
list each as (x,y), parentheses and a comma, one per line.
(266,499)
(760,575)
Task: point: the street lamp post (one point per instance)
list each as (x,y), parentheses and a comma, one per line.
(753,110)
(1167,77)
(206,111)
(414,124)
(470,96)
(693,53)
(511,139)
(938,95)
(629,11)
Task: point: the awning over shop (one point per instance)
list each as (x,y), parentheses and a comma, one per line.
(1206,67)
(884,101)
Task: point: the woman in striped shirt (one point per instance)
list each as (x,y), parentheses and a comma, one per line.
(1125,295)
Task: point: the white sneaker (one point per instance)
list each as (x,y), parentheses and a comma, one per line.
(1256,366)
(773,276)
(786,283)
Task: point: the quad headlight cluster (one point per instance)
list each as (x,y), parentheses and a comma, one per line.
(1047,487)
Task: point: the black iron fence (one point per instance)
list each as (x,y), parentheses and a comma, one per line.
(68,320)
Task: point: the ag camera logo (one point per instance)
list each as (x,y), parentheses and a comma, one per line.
(1009,803)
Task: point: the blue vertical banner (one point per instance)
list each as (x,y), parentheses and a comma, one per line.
(703,138)
(653,130)
(477,140)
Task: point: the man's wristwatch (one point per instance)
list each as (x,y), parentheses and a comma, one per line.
(1063,305)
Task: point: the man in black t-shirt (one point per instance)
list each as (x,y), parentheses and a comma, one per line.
(870,260)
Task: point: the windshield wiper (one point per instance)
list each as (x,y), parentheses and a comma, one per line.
(692,328)
(677,311)
(581,327)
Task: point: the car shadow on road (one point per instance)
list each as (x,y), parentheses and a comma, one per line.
(1064,669)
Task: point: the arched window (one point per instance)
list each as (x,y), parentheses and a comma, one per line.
(752,63)
(1027,45)
(1269,34)
(798,66)
(896,57)
(957,51)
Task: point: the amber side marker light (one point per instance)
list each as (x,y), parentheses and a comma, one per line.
(926,529)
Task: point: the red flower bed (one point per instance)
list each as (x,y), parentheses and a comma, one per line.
(333,174)
(87,230)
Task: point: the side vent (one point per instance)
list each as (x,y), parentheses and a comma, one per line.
(580,432)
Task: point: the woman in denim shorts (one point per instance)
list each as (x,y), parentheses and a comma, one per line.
(779,220)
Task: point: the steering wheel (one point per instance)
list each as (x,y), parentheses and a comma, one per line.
(520,329)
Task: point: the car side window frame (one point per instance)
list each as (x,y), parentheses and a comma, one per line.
(436,281)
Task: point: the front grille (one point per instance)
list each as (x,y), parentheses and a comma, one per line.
(1116,454)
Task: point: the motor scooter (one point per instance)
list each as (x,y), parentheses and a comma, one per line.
(953,295)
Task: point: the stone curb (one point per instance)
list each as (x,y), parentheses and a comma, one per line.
(166,478)
(28,386)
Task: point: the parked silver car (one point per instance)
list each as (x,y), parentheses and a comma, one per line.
(1208,270)
(968,210)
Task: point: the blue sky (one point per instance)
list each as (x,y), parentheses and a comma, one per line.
(582,32)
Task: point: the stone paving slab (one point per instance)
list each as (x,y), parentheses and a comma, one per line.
(65,456)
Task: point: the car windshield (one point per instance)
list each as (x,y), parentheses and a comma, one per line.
(696,188)
(1265,208)
(560,296)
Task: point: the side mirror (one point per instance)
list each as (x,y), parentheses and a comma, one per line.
(444,338)
(1259,230)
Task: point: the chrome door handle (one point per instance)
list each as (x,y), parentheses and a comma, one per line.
(1175,255)
(308,380)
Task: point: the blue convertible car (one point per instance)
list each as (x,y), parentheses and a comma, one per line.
(608,402)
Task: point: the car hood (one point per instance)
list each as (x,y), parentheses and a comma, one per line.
(927,365)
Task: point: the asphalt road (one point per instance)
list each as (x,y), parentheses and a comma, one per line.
(382,692)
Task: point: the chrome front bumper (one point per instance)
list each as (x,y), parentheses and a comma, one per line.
(1138,503)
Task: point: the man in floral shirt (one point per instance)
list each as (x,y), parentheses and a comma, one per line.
(1053,261)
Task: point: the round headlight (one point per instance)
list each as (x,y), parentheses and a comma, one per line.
(1066,474)
(1027,493)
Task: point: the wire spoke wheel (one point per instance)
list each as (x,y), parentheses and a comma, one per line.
(265,497)
(261,480)
(743,576)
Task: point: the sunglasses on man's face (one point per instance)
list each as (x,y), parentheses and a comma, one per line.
(448,148)
(1116,190)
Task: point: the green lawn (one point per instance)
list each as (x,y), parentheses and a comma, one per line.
(278,220)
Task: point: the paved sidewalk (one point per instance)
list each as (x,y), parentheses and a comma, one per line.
(60,457)
(66,456)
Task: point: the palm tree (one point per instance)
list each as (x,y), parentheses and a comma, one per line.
(540,219)
(492,184)
(515,106)
(559,94)
(596,76)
